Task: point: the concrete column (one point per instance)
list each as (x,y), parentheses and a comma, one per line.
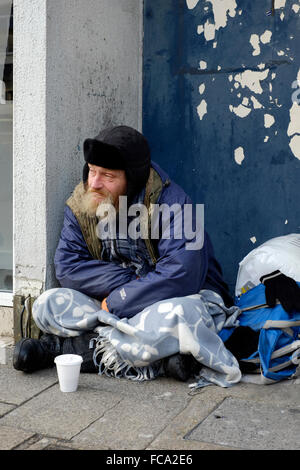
(77,69)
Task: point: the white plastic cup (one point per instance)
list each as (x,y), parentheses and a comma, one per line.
(68,370)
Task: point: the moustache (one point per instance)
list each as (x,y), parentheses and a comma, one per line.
(100,193)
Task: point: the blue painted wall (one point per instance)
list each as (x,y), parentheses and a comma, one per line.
(246,173)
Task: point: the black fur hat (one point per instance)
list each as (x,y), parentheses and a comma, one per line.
(120,148)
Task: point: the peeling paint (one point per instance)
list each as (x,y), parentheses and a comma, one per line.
(191,3)
(200,29)
(294,127)
(279,4)
(254,41)
(295,8)
(276,102)
(268,120)
(266,37)
(202,109)
(201,88)
(256,103)
(248,79)
(239,155)
(251,79)
(240,110)
(243,97)
(221,9)
(209,31)
(295,145)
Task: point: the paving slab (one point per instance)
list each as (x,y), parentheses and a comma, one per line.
(17,387)
(132,424)
(62,415)
(173,435)
(109,413)
(161,386)
(251,425)
(12,437)
(286,391)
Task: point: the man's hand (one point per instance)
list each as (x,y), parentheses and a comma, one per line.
(104,305)
(281,287)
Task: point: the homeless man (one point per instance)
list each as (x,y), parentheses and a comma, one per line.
(103,281)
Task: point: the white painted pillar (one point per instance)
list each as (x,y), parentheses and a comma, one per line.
(77,69)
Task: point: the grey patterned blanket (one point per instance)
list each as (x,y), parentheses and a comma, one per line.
(134,348)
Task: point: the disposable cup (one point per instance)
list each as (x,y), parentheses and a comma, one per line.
(68,370)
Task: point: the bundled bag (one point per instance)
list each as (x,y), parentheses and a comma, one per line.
(280,253)
(268,294)
(278,353)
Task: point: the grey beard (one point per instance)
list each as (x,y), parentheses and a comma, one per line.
(90,206)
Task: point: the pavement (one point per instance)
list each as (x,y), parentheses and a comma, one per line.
(163,414)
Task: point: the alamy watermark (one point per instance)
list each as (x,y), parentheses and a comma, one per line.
(296,94)
(160,222)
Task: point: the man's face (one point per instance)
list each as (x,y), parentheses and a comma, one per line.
(104,185)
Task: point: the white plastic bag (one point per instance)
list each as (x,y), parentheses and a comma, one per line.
(282,253)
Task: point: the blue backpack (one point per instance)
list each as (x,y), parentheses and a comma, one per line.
(278,354)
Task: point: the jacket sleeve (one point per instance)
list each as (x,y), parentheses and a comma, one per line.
(178,272)
(77,269)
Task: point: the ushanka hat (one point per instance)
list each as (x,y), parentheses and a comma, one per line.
(120,148)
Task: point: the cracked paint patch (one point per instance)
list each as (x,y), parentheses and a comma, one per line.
(279,4)
(293,130)
(248,79)
(266,37)
(202,88)
(239,155)
(221,10)
(296,8)
(255,41)
(202,109)
(240,110)
(268,120)
(251,79)
(191,3)
(256,103)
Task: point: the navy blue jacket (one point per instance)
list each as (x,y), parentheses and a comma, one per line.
(178,271)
